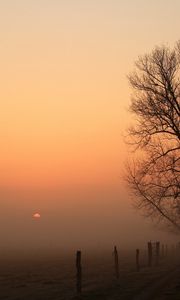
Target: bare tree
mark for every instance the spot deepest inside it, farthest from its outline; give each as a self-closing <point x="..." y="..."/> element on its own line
<point x="155" y="175"/>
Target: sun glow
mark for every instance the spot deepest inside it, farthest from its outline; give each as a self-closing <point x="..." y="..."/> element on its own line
<point x="36" y="215"/>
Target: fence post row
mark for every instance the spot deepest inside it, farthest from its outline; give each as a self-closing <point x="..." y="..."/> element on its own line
<point x="151" y="246"/>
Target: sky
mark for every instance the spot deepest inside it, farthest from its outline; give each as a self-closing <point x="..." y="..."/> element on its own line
<point x="64" y="101"/>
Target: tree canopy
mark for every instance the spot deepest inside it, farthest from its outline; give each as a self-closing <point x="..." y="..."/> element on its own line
<point x="154" y="178"/>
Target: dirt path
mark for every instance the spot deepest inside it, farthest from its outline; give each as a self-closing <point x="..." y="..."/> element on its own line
<point x="157" y="283"/>
<point x="165" y="287"/>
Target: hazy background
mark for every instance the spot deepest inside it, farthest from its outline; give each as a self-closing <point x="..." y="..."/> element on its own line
<point x="64" y="100"/>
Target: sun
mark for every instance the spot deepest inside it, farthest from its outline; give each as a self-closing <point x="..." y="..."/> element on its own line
<point x="36" y="215"/>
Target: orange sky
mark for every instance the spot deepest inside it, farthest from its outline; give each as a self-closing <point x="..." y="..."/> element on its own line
<point x="64" y="92"/>
<point x="64" y="95"/>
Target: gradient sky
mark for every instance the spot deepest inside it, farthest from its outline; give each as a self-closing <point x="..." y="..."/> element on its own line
<point x="64" y="109"/>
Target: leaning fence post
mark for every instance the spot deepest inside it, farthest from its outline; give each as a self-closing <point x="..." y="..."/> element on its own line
<point x="157" y="252"/>
<point x="149" y="254"/>
<point x="116" y="262"/>
<point x="78" y="272"/>
<point x="137" y="260"/>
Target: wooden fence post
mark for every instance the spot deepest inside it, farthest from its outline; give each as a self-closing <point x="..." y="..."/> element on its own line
<point x="162" y="251"/>
<point x="137" y="260"/>
<point x="166" y="250"/>
<point x="157" y="252"/>
<point x="149" y="254"/>
<point x="78" y="272"/>
<point x="116" y="262"/>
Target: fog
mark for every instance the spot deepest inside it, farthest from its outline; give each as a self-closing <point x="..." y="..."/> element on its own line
<point x="91" y="218"/>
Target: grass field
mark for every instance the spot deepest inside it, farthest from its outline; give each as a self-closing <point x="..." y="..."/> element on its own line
<point x="54" y="278"/>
